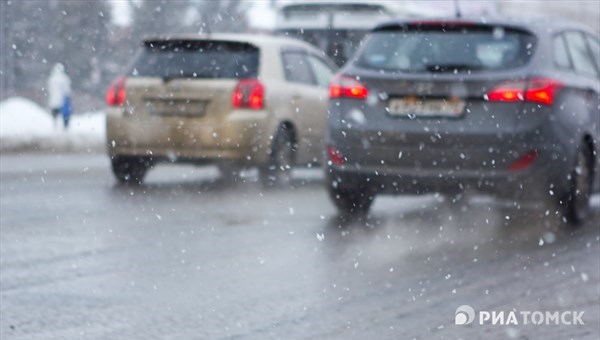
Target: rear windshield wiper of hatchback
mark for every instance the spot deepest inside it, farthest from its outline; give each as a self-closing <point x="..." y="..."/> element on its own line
<point x="452" y="67"/>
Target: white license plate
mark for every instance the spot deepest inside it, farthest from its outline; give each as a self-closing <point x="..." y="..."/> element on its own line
<point x="426" y="108"/>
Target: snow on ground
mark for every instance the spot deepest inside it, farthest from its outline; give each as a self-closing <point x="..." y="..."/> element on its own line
<point x="25" y="126"/>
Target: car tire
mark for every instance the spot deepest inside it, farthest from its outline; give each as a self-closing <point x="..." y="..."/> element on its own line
<point x="130" y="170"/>
<point x="351" y="201"/>
<point x="577" y="201"/>
<point x="456" y="197"/>
<point x="278" y="171"/>
<point x="230" y="172"/>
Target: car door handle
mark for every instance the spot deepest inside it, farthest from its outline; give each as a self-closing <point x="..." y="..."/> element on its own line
<point x="296" y="97"/>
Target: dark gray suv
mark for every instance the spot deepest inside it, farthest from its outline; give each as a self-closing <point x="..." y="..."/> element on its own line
<point x="503" y="107"/>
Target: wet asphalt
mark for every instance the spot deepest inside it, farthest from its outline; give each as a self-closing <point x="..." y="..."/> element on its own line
<point x="188" y="256"/>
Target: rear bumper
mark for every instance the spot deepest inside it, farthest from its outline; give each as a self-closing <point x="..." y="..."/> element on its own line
<point x="528" y="184"/>
<point x="423" y="156"/>
<point x="240" y="137"/>
<point x="547" y="176"/>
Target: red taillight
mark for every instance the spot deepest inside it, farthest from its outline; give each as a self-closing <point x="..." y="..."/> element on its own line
<point x="347" y="87"/>
<point x="249" y="93"/>
<point x="116" y="94"/>
<point x="539" y="90"/>
<point x="542" y="90"/>
<point x="524" y="161"/>
<point x="335" y="156"/>
<point x="508" y="92"/>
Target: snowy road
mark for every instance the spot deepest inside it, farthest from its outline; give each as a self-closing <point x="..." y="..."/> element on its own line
<point x="189" y="257"/>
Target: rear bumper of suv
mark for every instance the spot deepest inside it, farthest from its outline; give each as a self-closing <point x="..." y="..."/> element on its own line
<point x="528" y="184"/>
<point x="240" y="138"/>
<point x="546" y="176"/>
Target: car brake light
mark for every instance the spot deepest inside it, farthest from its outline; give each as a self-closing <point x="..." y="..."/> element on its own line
<point x="249" y="93"/>
<point x="507" y="92"/>
<point x="115" y="95"/>
<point x="335" y="156"/>
<point x="542" y="90"/>
<point x="347" y="87"/>
<point x="539" y="90"/>
<point x="524" y="161"/>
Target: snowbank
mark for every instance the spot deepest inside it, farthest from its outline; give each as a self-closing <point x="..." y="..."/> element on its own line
<point x="25" y="126"/>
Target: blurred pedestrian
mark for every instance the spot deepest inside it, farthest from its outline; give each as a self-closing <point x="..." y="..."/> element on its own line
<point x="59" y="94"/>
<point x="66" y="110"/>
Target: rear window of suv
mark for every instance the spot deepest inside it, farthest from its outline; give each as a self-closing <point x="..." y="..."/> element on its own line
<point x="446" y="48"/>
<point x="196" y="59"/>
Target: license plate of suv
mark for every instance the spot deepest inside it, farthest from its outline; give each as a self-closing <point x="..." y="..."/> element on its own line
<point x="425" y="108"/>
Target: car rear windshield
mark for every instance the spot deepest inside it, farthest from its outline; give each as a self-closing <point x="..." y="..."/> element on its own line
<point x="446" y="49"/>
<point x="196" y="59"/>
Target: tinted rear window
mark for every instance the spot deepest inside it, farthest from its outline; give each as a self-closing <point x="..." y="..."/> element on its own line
<point x="447" y="49"/>
<point x="196" y="59"/>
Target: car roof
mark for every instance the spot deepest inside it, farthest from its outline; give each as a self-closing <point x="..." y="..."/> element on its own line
<point x="259" y="40"/>
<point x="537" y="25"/>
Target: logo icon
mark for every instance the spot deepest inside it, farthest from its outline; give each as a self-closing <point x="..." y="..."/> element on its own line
<point x="464" y="315"/>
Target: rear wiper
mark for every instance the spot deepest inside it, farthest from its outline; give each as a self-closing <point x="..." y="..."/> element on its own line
<point x="452" y="67"/>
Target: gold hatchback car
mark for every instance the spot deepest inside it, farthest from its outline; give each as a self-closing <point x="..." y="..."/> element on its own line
<point x="235" y="101"/>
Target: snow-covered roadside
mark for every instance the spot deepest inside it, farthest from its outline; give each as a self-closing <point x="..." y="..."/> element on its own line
<point x="25" y="126"/>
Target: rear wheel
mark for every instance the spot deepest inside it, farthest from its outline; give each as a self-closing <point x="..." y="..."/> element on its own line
<point x="456" y="196"/>
<point x="351" y="201"/>
<point x="283" y="151"/>
<point x="130" y="170"/>
<point x="230" y="172"/>
<point x="578" y="199"/>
